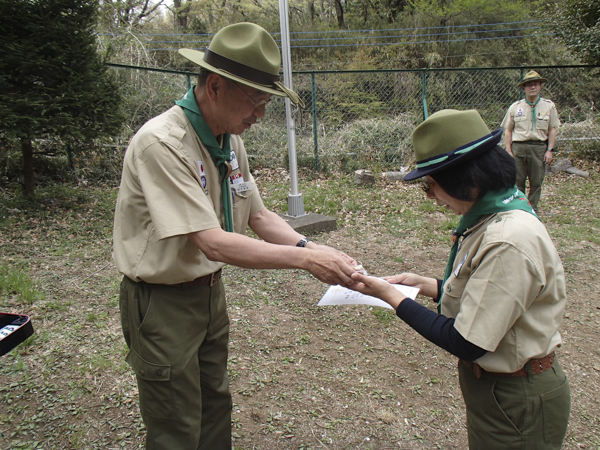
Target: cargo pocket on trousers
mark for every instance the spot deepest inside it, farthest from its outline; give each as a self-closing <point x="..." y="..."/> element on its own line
<point x="154" y="383"/>
<point x="556" y="406"/>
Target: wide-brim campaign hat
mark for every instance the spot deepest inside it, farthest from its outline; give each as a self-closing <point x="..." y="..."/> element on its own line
<point x="532" y="75"/>
<point x="450" y="137"/>
<point x="245" y="53"/>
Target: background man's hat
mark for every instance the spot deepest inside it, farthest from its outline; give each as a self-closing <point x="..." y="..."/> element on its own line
<point x="245" y="53"/>
<point x="450" y="137"/>
<point x="532" y="76"/>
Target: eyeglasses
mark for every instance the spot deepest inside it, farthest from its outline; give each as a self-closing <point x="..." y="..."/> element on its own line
<point x="256" y="103"/>
<point x="426" y="185"/>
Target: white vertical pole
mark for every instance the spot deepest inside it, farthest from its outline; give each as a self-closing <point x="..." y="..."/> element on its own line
<point x="295" y="202"/>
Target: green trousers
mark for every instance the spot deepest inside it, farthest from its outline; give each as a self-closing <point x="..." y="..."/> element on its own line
<point x="177" y="338"/>
<point x="516" y="413"/>
<point x="529" y="158"/>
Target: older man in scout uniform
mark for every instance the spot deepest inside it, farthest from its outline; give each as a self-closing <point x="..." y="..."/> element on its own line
<point x="530" y="133"/>
<point x="185" y="201"/>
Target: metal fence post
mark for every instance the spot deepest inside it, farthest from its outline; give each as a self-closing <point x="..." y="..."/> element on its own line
<point x="520" y="79"/>
<point x="424" y="93"/>
<point x="314" y="114"/>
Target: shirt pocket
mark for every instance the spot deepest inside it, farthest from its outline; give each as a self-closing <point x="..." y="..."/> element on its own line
<point x="241" y="203"/>
<point x="542" y="123"/>
<point x="521" y="123"/>
<point x="453" y="292"/>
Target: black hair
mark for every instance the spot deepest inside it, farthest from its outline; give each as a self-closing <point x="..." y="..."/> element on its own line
<point x="491" y="171"/>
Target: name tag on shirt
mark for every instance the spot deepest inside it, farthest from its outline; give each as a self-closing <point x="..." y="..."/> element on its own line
<point x="242" y="186"/>
<point x="457" y="271"/>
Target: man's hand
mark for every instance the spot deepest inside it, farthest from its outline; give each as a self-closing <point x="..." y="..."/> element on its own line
<point x="548" y="157"/>
<point x="331" y="266"/>
<point x="314" y="246"/>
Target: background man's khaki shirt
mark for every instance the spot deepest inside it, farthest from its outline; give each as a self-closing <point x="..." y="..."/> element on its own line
<point x="507" y="290"/>
<point x="170" y="187"/>
<point x="518" y="119"/>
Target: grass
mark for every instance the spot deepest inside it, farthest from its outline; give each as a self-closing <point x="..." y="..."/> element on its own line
<point x="302" y="376"/>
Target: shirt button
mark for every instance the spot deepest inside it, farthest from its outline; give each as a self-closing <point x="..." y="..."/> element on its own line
<point x="159" y="373"/>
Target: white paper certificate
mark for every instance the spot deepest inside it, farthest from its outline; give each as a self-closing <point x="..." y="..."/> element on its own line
<point x="338" y="295"/>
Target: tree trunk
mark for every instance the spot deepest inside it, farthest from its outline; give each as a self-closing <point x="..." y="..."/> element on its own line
<point x="180" y="14"/>
<point x="27" y="151"/>
<point x="311" y="12"/>
<point x="339" y="11"/>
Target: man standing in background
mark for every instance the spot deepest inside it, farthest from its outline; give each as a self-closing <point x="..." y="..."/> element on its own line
<point x="530" y="133"/>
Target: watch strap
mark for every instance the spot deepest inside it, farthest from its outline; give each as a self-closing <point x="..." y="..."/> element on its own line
<point x="302" y="242"/>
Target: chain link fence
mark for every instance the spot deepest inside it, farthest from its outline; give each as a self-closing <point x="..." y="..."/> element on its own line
<point x="365" y="119"/>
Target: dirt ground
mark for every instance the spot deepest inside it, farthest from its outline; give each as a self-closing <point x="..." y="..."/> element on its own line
<point x="302" y="376"/>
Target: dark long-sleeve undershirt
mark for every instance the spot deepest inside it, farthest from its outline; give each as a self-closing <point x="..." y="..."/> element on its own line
<point x="438" y="329"/>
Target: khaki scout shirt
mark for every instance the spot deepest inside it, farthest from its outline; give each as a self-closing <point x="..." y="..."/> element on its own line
<point x="518" y="119"/>
<point x="169" y="188"/>
<point x="507" y="290"/>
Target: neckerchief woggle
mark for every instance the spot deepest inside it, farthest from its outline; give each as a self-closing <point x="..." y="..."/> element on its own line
<point x="492" y="202"/>
<point x="221" y="156"/>
<point x="533" y="113"/>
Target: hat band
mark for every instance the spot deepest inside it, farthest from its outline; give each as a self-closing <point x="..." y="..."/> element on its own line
<point x="452" y="154"/>
<point x="239" y="69"/>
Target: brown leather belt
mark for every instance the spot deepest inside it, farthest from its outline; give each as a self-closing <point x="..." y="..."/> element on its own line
<point x="531" y="142"/>
<point x="537" y="366"/>
<point x="206" y="280"/>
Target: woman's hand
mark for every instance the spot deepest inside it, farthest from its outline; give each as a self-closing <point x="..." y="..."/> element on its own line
<point x="377" y="287"/>
<point x="428" y="286"/>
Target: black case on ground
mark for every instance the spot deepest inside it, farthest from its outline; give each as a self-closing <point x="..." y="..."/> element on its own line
<point x="14" y="329"/>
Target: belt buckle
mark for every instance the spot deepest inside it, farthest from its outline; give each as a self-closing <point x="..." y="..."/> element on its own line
<point x="213" y="278"/>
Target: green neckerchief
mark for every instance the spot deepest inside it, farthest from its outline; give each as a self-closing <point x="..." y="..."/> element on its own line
<point x="533" y="113"/>
<point x="492" y="202"/>
<point x="221" y="156"/>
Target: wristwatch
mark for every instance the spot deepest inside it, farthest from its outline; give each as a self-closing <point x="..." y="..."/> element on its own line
<point x="550" y="150"/>
<point x="302" y="242"/>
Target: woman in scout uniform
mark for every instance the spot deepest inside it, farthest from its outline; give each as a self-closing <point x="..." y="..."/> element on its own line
<point x="503" y="295"/>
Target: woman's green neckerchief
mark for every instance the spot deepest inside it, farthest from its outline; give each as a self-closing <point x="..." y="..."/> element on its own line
<point x="533" y="113"/>
<point x="491" y="203"/>
<point x="221" y="156"/>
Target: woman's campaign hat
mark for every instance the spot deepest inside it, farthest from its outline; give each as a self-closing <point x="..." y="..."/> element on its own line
<point x="245" y="53"/>
<point x="449" y="137"/>
<point x="532" y="76"/>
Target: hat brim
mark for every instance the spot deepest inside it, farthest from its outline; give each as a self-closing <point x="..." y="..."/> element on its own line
<point x="454" y="158"/>
<point x="524" y="82"/>
<point x="197" y="57"/>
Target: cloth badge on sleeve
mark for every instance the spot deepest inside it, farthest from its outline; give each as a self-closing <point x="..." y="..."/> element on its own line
<point x="202" y="177"/>
<point x="234" y="162"/>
